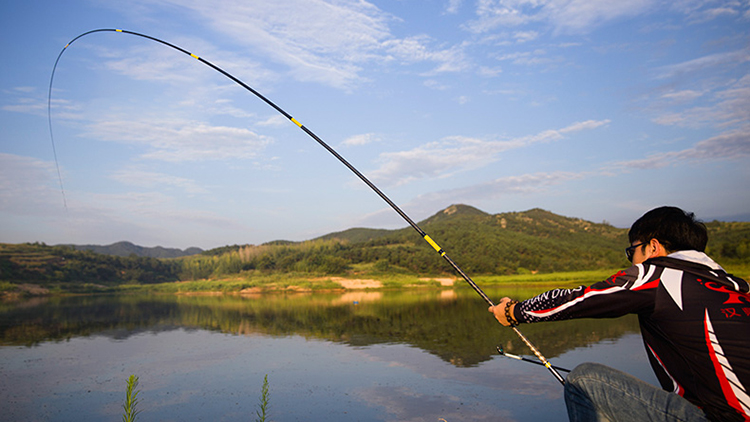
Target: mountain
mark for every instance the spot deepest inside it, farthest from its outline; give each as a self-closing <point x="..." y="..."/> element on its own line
<point x="507" y="243"/>
<point x="127" y="249"/>
<point x="357" y="235"/>
<point x="535" y="240"/>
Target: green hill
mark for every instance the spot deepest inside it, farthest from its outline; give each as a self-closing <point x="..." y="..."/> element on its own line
<point x="533" y="241"/>
<point x="507" y="243"/>
<point x="68" y="269"/>
<point x="357" y="235"/>
<point x="127" y="249"/>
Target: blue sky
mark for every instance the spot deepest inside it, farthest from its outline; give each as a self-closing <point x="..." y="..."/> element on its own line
<point x="588" y="108"/>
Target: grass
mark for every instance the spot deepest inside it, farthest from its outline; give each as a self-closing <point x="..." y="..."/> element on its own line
<point x="131" y="400"/>
<point x="270" y="282"/>
<point x="263" y="406"/>
<point x="573" y="277"/>
<point x="741" y="269"/>
<point x="237" y="283"/>
<point x="278" y="282"/>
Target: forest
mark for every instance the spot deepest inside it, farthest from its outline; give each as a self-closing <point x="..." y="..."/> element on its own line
<point x="528" y="242"/>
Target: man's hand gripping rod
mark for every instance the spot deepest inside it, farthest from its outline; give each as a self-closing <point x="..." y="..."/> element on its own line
<point x="476" y="288"/>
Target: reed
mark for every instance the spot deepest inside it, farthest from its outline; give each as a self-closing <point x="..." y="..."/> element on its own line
<point x="264" y="404"/>
<point x="131" y="400"/>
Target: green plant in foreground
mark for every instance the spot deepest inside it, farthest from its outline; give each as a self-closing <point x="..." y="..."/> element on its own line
<point x="262" y="411"/>
<point x="131" y="400"/>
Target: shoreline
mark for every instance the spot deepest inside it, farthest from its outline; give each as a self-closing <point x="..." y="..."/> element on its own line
<point x="252" y="284"/>
<point x="234" y="286"/>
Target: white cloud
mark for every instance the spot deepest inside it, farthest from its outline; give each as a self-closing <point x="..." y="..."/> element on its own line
<point x="727" y="146"/>
<point x="453" y="6"/>
<point x="569" y="16"/>
<point x="181" y="140"/>
<point x="682" y="96"/>
<point x="501" y="188"/>
<point x="151" y="62"/>
<point x="28" y="186"/>
<point x="729" y="58"/>
<point x="299" y="35"/>
<point x="362" y="139"/>
<point x="490" y="72"/>
<point x="698" y="11"/>
<point x="529" y="58"/>
<point x="433" y="84"/>
<point x="416" y="49"/>
<point x="32" y="101"/>
<point x="513" y="185"/>
<point x="525" y="36"/>
<point x="196" y="84"/>
<point x="150" y="179"/>
<point x="150" y="218"/>
<point x="581" y="16"/>
<point x="587" y="125"/>
<point x="724" y="106"/>
<point x="328" y="42"/>
<point x="459" y="153"/>
<point x="274" y="121"/>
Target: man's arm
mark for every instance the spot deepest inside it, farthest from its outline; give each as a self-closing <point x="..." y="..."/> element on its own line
<point x="618" y="295"/>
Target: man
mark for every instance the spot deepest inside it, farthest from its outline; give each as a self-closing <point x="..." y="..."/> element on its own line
<point x="694" y="319"/>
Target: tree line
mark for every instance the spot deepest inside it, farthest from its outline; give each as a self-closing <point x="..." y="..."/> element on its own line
<point x="534" y="241"/>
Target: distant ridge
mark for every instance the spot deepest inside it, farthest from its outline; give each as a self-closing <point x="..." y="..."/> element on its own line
<point x="126" y="249"/>
<point x="360" y="235"/>
<point x="535" y="222"/>
<point x="730" y="218"/>
<point x="519" y="242"/>
<point x="357" y="234"/>
<point x="537" y="239"/>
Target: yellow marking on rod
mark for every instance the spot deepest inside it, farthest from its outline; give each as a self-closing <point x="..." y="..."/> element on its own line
<point x="118" y="30"/>
<point x="434" y="245"/>
<point x="548" y="365"/>
<point x="296" y="122"/>
<point x="194" y="56"/>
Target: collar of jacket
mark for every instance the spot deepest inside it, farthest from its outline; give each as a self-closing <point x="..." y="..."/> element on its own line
<point x="699" y="264"/>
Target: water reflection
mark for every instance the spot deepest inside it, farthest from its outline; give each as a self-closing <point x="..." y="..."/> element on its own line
<point x="365" y="355"/>
<point x="451" y="324"/>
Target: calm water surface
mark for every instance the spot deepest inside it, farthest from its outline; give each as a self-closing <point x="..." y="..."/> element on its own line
<point x="361" y="356"/>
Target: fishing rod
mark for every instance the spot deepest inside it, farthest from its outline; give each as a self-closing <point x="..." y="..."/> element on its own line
<point x="535" y="362"/>
<point x="333" y="152"/>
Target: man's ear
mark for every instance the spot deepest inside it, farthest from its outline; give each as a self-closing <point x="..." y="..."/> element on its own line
<point x="657" y="249"/>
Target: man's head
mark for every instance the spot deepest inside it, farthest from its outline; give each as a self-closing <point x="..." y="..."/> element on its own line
<point x="674" y="229"/>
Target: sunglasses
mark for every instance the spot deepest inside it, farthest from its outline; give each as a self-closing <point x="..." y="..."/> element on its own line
<point x="631" y="249"/>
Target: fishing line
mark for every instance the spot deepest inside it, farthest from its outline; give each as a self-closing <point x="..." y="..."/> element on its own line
<point x="333" y="152"/>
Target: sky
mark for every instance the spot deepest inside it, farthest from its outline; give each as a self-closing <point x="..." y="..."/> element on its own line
<point x="590" y="109"/>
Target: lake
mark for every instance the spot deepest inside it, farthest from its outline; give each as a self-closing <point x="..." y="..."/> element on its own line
<point x="425" y="355"/>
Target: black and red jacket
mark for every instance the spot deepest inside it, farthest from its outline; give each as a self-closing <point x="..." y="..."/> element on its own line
<point x="695" y="323"/>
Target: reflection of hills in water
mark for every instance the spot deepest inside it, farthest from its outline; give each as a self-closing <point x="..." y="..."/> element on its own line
<point x="454" y="326"/>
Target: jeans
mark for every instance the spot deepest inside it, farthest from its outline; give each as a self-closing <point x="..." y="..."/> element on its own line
<point x="595" y="392"/>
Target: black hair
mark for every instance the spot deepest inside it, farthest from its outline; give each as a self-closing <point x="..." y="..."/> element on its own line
<point x="674" y="228"/>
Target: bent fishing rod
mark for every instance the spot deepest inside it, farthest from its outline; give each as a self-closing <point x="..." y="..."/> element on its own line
<point x="333" y="152"/>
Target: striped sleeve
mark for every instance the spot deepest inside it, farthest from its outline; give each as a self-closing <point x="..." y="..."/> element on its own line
<point x="627" y="291"/>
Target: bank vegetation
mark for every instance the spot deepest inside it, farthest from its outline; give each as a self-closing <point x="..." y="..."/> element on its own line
<point x="534" y="246"/>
